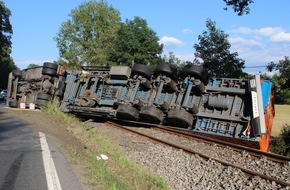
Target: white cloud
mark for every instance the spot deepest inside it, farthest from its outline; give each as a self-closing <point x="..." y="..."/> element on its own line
<point x="170" y="42"/>
<point x="247" y="42"/>
<point x="281" y="37"/>
<point x="186" y="31"/>
<point x="260" y="46"/>
<point x="256" y="52"/>
<point x="274" y="34"/>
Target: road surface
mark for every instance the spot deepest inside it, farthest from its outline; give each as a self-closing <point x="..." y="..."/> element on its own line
<point x="29" y="159"/>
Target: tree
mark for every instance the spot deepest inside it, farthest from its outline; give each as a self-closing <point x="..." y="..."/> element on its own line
<point x="32" y="65"/>
<point x="175" y="63"/>
<point x="281" y="81"/>
<point x="214" y="51"/>
<point x="239" y="6"/>
<point x="6" y="62"/>
<point x="283" y="68"/>
<point x="136" y="43"/>
<point x="87" y="36"/>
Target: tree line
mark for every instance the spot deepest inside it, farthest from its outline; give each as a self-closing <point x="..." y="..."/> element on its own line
<point x="6" y="62"/>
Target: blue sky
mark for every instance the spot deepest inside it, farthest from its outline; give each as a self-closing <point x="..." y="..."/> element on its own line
<point x="260" y="37"/>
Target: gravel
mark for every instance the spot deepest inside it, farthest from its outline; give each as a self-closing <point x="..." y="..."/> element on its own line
<point x="184" y="171"/>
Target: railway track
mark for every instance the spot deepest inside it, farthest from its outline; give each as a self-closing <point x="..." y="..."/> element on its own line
<point x="268" y="166"/>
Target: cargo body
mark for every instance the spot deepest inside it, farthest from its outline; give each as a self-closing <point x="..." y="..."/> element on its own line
<point x="229" y="109"/>
<point x="35" y="86"/>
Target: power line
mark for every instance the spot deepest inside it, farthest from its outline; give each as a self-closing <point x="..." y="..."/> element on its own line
<point x="255" y="66"/>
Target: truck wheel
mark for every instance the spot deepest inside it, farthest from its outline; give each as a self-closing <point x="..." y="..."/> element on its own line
<point x="151" y="114"/>
<point x="127" y="112"/>
<point x="180" y="118"/>
<point x="43" y="96"/>
<point x="50" y="65"/>
<point x="164" y="69"/>
<point x="41" y="102"/>
<point x="195" y="71"/>
<point x="17" y="73"/>
<point x="13" y="104"/>
<point x="142" y="70"/>
<point x="48" y="71"/>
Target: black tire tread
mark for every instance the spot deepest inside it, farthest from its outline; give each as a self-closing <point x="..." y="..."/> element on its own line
<point x="195" y="71"/>
<point x="151" y="114"/>
<point x="179" y="118"/>
<point x="43" y="96"/>
<point x="17" y="73"/>
<point x="49" y="71"/>
<point x="50" y="65"/>
<point x="127" y="112"/>
<point x="164" y="69"/>
<point x="142" y="70"/>
<point x="13" y="104"/>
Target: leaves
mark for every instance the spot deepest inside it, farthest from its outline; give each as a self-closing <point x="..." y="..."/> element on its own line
<point x="136" y="43"/>
<point x="239" y="6"/>
<point x="214" y="51"/>
<point x="85" y="38"/>
<point x="281" y="81"/>
<point x="6" y="62"/>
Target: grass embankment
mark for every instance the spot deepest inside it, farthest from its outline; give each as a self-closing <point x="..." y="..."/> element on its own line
<point x="115" y="173"/>
<point x="282" y="117"/>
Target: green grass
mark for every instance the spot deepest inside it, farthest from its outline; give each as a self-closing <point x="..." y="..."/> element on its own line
<point x="117" y="172"/>
<point x="119" y="169"/>
<point x="282" y="117"/>
<point x="53" y="109"/>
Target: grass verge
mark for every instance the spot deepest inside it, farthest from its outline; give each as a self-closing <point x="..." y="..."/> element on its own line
<point x="115" y="173"/>
<point x="282" y="113"/>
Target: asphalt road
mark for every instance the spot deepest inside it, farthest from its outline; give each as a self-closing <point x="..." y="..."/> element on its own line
<point x="25" y="163"/>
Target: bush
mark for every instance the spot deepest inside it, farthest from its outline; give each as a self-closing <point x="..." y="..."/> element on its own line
<point x="282" y="96"/>
<point x="281" y="144"/>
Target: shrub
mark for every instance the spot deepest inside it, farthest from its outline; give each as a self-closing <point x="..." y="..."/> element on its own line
<point x="281" y="144"/>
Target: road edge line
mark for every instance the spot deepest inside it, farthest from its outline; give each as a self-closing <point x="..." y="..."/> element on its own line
<point x="52" y="179"/>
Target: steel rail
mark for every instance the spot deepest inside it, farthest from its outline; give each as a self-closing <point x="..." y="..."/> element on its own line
<point x="252" y="151"/>
<point x="191" y="134"/>
<point x="283" y="183"/>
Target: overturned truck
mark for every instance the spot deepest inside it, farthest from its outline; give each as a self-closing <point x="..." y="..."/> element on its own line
<point x="228" y="109"/>
<point x="35" y="86"/>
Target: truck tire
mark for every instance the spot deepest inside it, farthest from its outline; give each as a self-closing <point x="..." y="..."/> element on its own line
<point x="48" y="71"/>
<point x="50" y="65"/>
<point x="127" y="112"/>
<point x="151" y="114"/>
<point x="180" y="118"/>
<point x="142" y="70"/>
<point x="13" y="104"/>
<point x="17" y="73"/>
<point x="43" y="96"/>
<point x="41" y="102"/>
<point x="164" y="69"/>
<point x="195" y="71"/>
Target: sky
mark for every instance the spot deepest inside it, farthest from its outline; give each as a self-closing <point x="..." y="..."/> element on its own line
<point x="259" y="37"/>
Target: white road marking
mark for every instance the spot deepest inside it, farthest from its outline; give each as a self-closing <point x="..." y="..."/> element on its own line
<point x="49" y="167"/>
